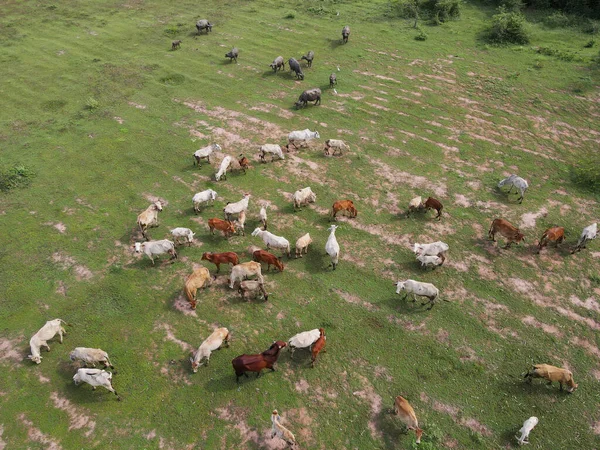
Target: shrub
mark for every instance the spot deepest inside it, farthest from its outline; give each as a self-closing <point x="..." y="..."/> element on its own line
<point x="557" y="20"/>
<point x="591" y="27"/>
<point x="512" y="5"/>
<point x="443" y="10"/>
<point x="91" y="104"/>
<point x="586" y="173"/>
<point x="508" y="28"/>
<point x="291" y="14"/>
<point x="17" y="176"/>
<point x="422" y="36"/>
<point x="590" y="43"/>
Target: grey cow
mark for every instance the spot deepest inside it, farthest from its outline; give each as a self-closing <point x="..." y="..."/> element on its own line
<point x="345" y="34"/>
<point x="233" y="54"/>
<point x="308" y="96"/>
<point x="295" y="67"/>
<point x="203" y="24"/>
<point x="309" y="58"/>
<point x="277" y="64"/>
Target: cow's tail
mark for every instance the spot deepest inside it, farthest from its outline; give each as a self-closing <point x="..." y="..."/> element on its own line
<point x="67" y="324"/>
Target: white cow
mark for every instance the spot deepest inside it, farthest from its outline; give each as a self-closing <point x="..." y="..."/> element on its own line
<point x="303" y="197"/>
<point x="263" y="216"/>
<point x="303" y="340"/>
<point x="207" y="196"/>
<point x="95" y="377"/>
<point x="332" y="247"/>
<point x="182" y="233"/>
<point x="218" y="338"/>
<point x="528" y="425"/>
<point x="335" y="144"/>
<point x="517" y="182"/>
<point x="418" y="288"/>
<point x="91" y="356"/>
<point x="149" y="217"/>
<point x="272" y="149"/>
<point x="272" y="240"/>
<point x="416" y="204"/>
<point x="44" y="334"/>
<point x="587" y="234"/>
<point x="205" y="152"/>
<point x="223" y="168"/>
<point x="240" y="272"/>
<point x="280" y="431"/>
<point x="431" y="261"/>
<point x="237" y="207"/>
<point x="301" y="137"/>
<point x="433" y="249"/>
<point x="155" y="248"/>
<point x="302" y="245"/>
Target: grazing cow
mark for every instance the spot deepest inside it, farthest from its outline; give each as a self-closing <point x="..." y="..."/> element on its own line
<point x="149" y="218"/>
<point x="240" y="223"/>
<point x="272" y="240"/>
<point x="332" y="247"/>
<point x="528" y="425"/>
<point x="343" y="205"/>
<point x="336" y="144"/>
<point x="219" y="338"/>
<point x="233" y="54"/>
<point x="309" y="58"/>
<point x="203" y="24"/>
<point x="225" y="164"/>
<point x="198" y="279"/>
<point x="242" y="271"/>
<point x="303" y="340"/>
<point x="300" y="138"/>
<point x="277" y="429"/>
<point x="345" y="34"/>
<point x="278" y="64"/>
<point x="182" y="233"/>
<point x="431" y="261"/>
<point x="515" y="182"/>
<point x="156" y="248"/>
<point x="91" y="356"/>
<point x="302" y="245"/>
<point x="295" y="67"/>
<point x="244" y="163"/>
<point x="587" y="234"/>
<point x="221" y="258"/>
<point x="204" y="197"/>
<point x="237" y="207"/>
<point x="407" y="415"/>
<point x="176" y="44"/>
<point x="433" y="249"/>
<point x="40" y="339"/>
<point x="303" y="197"/>
<point x="317" y="347"/>
<point x="332" y="80"/>
<point x="256" y="363"/>
<point x="309" y="95"/>
<point x="261" y="256"/>
<point x="204" y="153"/>
<point x="432" y="203"/>
<point x="418" y="288"/>
<point x="554" y="234"/>
<point x="95" y="377"/>
<point x="222" y="225"/>
<point x="416" y="204"/>
<point x="506" y="229"/>
<point x="263" y="216"/>
<point x="249" y="288"/>
<point x="552" y="373"/>
<point x="273" y="150"/>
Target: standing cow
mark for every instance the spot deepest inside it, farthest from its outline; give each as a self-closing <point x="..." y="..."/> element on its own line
<point x="310" y="95"/>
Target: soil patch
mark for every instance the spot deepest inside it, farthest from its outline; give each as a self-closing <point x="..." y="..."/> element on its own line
<point x="369" y="395"/>
<point x="9" y="349"/>
<point x="355" y="300"/>
<point x="77" y="419"/>
<point x="35" y="434"/>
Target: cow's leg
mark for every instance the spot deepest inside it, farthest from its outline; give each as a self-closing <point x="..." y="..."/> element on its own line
<point x="561" y="385"/>
<point x="218" y="267"/>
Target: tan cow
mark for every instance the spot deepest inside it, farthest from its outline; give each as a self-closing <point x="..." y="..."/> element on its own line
<point x="406" y="413"/>
<point x="506" y="229"/>
<point x="552" y="373"/>
<point x="198" y="279"/>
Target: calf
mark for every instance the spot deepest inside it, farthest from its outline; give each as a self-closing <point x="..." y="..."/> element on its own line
<point x="156" y="248"/>
<point x="317" y="347"/>
<point x="587" y="234"/>
<point x="242" y="271"/>
<point x="182" y="233"/>
<point x="345" y="34"/>
<point x="506" y="229"/>
<point x="91" y="356"/>
<point x="221" y="258"/>
<point x="250" y="288"/>
<point x="149" y="217"/>
<point x="40" y="339"/>
<point x="432" y="203"/>
<point x="343" y="205"/>
<point x="336" y="144"/>
<point x="407" y="415"/>
<point x="302" y="245"/>
<point x="244" y="163"/>
<point x="332" y="80"/>
<point x="222" y="225"/>
<point x="198" y="279"/>
<point x="554" y="234"/>
<point x="295" y="67"/>
<point x="261" y="256"/>
<point x="431" y="261"/>
<point x="277" y="64"/>
<point x="552" y="373"/>
<point x="175" y="45"/>
<point x="95" y="377"/>
<point x="309" y="58"/>
<point x="233" y="54"/>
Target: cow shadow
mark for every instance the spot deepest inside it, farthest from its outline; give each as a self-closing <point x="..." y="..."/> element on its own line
<point x="334" y="43"/>
<point x="404" y="307"/>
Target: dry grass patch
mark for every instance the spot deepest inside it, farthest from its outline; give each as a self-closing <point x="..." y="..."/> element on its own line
<point x="35" y="435"/>
<point x="9" y="349"/>
<point x="533" y="322"/>
<point x="77" y="418"/>
<point x="374" y="400"/>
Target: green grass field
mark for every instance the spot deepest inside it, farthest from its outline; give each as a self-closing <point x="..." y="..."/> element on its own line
<point x="96" y="104"/>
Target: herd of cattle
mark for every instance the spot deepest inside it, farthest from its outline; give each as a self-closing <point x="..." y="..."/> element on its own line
<point x="428" y="254"/>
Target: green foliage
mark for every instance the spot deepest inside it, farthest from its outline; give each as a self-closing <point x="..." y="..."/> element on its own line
<point x="173" y="79"/>
<point x="15" y="177"/>
<point x="443" y="10"/>
<point x="512" y="5"/>
<point x="563" y="55"/>
<point x="586" y="172"/>
<point x="291" y="14"/>
<point x="508" y="28"/>
<point x="91" y="104"/>
<point x="421" y="36"/>
<point x="557" y="19"/>
<point x="591" y="26"/>
<point x="590" y="43"/>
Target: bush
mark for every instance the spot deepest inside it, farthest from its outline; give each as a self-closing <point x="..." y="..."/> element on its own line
<point x="291" y="14"/>
<point x="557" y="20"/>
<point x="591" y="27"/>
<point x="586" y="173"/>
<point x="508" y="28"/>
<point x="444" y="10"/>
<point x="17" y="176"/>
<point x="513" y="5"/>
<point x="422" y="36"/>
<point x="91" y="104"/>
<point x="590" y="43"/>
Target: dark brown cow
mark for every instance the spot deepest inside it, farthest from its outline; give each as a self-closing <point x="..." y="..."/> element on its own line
<point x="222" y="225"/>
<point x="343" y="205"/>
<point x="506" y="229"/>
<point x="256" y="363"/>
<point x="432" y="203"/>
<point x="317" y="347"/>
<point x="554" y="234"/>
<point x="221" y="258"/>
<point x="269" y="258"/>
<point x="244" y="163"/>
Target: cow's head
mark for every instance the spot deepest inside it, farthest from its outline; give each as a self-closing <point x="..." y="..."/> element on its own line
<point x="205" y="256"/>
<point x="419" y="432"/>
<point x="281" y="344"/>
<point x="138" y="247"/>
<point x="332" y="228"/>
<point x="158" y="206"/>
<point x="36" y="359"/>
<point x="519" y="237"/>
<point x="256" y="232"/>
<point x="77" y="378"/>
<point x="195" y="365"/>
<point x="399" y="286"/>
<point x="317" y="135"/>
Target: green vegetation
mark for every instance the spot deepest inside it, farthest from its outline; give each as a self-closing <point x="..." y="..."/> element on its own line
<point x="96" y="104"/>
<point x="508" y="27"/>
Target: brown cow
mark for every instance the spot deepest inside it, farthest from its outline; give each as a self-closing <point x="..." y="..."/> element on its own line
<point x="221" y="258"/>
<point x="244" y="163"/>
<point x="554" y="234"/>
<point x="269" y="258"/>
<point x="222" y="225"/>
<point x="317" y="347"/>
<point x="256" y="363"/>
<point x="343" y="205"/>
<point x="198" y="279"/>
<point x="407" y="415"/>
<point x="432" y="203"/>
<point x="506" y="229"/>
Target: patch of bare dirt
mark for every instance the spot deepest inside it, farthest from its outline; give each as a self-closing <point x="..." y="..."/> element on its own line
<point x="453" y="412"/>
<point x="369" y="395"/>
<point x="586" y="345"/>
<point x="355" y="300"/>
<point x="77" y="418"/>
<point x="237" y="417"/>
<point x="182" y="305"/>
<point x="137" y="105"/>
<point x="35" y="434"/>
<point x="443" y="336"/>
<point x="533" y="322"/>
<point x="61" y="289"/>
<point x="2" y="442"/>
<point x="409" y="324"/>
<point x="43" y="379"/>
<point x="590" y="304"/>
<point x="528" y="219"/>
<point x="596" y="428"/>
<point x="302" y="386"/>
<point x="301" y="421"/>
<point x="170" y="336"/>
<point x="9" y="349"/>
<point x="461" y="200"/>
